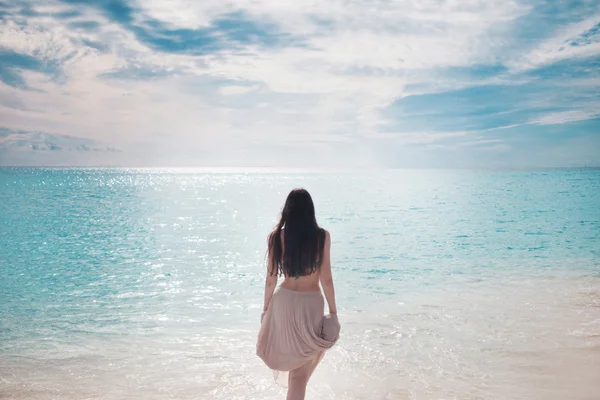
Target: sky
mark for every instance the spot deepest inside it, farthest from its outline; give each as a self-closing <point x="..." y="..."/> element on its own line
<point x="300" y="83"/>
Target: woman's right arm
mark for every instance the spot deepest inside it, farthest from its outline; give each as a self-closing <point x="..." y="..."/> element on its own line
<point x="271" y="279"/>
<point x="326" y="277"/>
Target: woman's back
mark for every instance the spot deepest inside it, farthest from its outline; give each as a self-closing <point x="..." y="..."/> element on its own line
<point x="306" y="283"/>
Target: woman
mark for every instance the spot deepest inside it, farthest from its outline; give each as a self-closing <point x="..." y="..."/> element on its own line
<point x="294" y="333"/>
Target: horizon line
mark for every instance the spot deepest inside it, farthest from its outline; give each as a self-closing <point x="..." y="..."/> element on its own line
<point x="297" y="169"/>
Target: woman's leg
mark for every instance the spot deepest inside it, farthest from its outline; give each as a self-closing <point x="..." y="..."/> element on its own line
<point x="315" y="361"/>
<point x="298" y="378"/>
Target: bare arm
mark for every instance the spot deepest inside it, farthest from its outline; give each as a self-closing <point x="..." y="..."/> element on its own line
<point x="326" y="277"/>
<point x="270" y="282"/>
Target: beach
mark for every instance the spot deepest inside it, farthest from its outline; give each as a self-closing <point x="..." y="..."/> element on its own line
<point x="147" y="283"/>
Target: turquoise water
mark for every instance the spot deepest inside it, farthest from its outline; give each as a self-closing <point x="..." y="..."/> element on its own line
<point x="135" y="283"/>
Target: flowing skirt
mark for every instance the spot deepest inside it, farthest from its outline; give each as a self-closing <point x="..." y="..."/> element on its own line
<point x="294" y="330"/>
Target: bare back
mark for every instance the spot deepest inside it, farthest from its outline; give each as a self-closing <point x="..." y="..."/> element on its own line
<point x="310" y="283"/>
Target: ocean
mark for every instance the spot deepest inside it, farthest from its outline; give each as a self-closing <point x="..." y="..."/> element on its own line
<point x="148" y="283"/>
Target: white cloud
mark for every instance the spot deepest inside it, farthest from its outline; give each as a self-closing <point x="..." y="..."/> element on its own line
<point x="560" y="46"/>
<point x="235" y="90"/>
<point x="417" y="137"/>
<point x="28" y="148"/>
<point x="564" y="117"/>
<point x="356" y="57"/>
<point x="44" y="39"/>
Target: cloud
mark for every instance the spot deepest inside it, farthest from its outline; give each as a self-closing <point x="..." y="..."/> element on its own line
<point x="579" y="39"/>
<point x="24" y="148"/>
<point x="136" y="72"/>
<point x="85" y="25"/>
<point x="42" y="141"/>
<point x="339" y="82"/>
<point x="225" y="31"/>
<point x="564" y="117"/>
<point x="11" y="63"/>
<point x="417" y="137"/>
<point x="235" y="90"/>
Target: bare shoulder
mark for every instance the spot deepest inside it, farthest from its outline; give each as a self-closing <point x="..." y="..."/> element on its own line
<point x="327" y="236"/>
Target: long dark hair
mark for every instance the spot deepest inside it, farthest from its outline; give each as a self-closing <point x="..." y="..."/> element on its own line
<point x="303" y="238"/>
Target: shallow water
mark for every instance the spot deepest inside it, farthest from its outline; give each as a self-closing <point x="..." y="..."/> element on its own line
<point x="147" y="284"/>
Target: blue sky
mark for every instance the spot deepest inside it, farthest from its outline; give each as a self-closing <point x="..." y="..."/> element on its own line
<point x="300" y="83"/>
